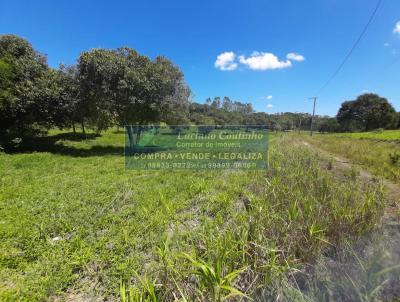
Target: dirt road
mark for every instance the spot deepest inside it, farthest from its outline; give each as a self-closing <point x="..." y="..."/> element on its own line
<point x="367" y="269"/>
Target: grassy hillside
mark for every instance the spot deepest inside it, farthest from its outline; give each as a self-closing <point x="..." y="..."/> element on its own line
<point x="74" y="222"/>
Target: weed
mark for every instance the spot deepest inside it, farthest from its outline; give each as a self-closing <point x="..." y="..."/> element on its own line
<point x="215" y="280"/>
<point x="394" y="158"/>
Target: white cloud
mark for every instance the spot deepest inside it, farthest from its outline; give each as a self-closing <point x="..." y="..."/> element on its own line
<point x="386" y="44"/>
<point x="269" y="97"/>
<point x="295" y="57"/>
<point x="396" y="29"/>
<point x="270" y="106"/>
<point x="264" y="61"/>
<point x="226" y="61"/>
<point x="256" y="61"/>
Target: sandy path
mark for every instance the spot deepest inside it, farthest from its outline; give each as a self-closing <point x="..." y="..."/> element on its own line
<point x="392" y="189"/>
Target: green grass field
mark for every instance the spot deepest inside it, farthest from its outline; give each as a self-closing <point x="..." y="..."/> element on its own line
<point x="387" y="135"/>
<point x="75" y="222"/>
<point x="378" y="152"/>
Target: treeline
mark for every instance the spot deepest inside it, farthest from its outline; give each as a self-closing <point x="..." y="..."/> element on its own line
<point x="368" y="112"/>
<point x="105" y="88"/>
<point x="108" y="87"/>
<point x="224" y="111"/>
<point x="117" y="87"/>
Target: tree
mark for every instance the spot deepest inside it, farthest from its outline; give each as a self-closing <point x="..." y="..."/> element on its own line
<point x="121" y="86"/>
<point x="227" y="104"/>
<point x="216" y="103"/>
<point x="328" y="125"/>
<point x="67" y="108"/>
<point x="174" y="95"/>
<point x="369" y="111"/>
<point x="98" y="76"/>
<point x="24" y="91"/>
<point x="6" y="95"/>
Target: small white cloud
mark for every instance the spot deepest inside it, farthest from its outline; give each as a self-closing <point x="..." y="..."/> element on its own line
<point x="269" y="97"/>
<point x="226" y="61"/>
<point x="396" y="29"/>
<point x="386" y="44"/>
<point x="270" y="106"/>
<point x="295" y="57"/>
<point x="264" y="61"/>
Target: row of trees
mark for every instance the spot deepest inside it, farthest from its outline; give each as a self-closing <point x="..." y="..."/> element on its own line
<point x="368" y="112"/>
<point x="105" y="87"/>
<point x="121" y="87"/>
<point x="228" y="112"/>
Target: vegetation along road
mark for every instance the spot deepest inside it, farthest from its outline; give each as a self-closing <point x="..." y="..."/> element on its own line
<point x="321" y="223"/>
<point x="67" y="233"/>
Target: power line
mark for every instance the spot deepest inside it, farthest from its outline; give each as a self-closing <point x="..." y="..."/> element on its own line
<point x="353" y="47"/>
<point x="382" y="69"/>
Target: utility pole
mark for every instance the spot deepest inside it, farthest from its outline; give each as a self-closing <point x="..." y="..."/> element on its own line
<point x="299" y="123"/>
<point x="299" y="128"/>
<point x="313" y="113"/>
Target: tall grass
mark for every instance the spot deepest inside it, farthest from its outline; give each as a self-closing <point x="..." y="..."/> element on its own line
<point x="279" y="221"/>
<point x="81" y="224"/>
<point x="380" y="157"/>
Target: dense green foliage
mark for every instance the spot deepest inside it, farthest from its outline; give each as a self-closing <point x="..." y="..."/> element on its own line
<point x="106" y="87"/>
<point x="24" y="79"/>
<point x="127" y="88"/>
<point x="369" y="111"/>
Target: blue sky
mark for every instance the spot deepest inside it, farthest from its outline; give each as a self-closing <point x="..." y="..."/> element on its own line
<point x="258" y="34"/>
